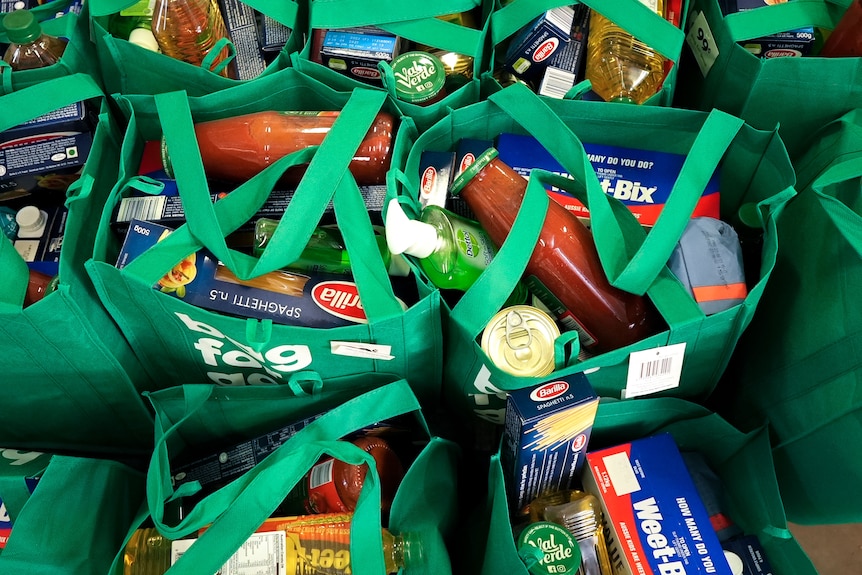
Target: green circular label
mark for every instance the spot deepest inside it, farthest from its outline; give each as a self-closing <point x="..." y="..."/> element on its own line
<point x="550" y="548"/>
<point x="419" y="76"/>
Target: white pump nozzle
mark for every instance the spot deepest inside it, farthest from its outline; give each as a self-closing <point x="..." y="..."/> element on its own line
<point x="406" y="236"/>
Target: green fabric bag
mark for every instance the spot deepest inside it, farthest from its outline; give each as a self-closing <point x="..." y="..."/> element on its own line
<point x="800" y="95"/>
<point x="19" y="470"/>
<point x="76" y="518"/>
<point x="754" y="168"/>
<point x="632" y="16"/>
<point x="800" y="375"/>
<point x="171" y="336"/>
<point x="130" y="69"/>
<point x="413" y="21"/>
<point x="69" y="377"/>
<point x="195" y="415"/>
<point x="741" y="460"/>
<point x="78" y="57"/>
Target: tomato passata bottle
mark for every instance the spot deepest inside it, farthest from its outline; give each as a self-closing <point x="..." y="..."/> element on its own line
<point x="239" y="147"/>
<point x="564" y="266"/>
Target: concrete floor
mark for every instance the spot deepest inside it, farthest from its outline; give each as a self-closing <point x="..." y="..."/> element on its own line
<point x="834" y="549"/>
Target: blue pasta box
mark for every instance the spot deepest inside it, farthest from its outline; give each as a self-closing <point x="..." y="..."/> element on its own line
<point x="656" y="519"/>
<point x="640" y="179"/>
<point x="789" y="43"/>
<point x="532" y="48"/>
<point x="547" y="429"/>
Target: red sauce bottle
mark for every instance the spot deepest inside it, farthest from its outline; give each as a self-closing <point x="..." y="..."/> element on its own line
<point x="564" y="261"/>
<point x="238" y="148"/>
<point x="846" y="38"/>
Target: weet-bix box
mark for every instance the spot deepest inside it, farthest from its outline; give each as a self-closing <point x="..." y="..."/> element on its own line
<point x="641" y="179"/>
<point x="657" y="521"/>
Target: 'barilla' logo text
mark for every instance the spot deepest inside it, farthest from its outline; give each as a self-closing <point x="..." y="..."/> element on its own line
<point x="544" y="51"/>
<point x="650" y="523"/>
<point x="429" y="178"/>
<point x="215" y="350"/>
<point x="364" y="72"/>
<point x="549" y="391"/>
<point x="468" y="159"/>
<point x="341" y="299"/>
<point x="628" y="190"/>
<point x="783" y="53"/>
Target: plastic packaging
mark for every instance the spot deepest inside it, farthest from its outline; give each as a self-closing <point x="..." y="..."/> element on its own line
<point x="188" y="29"/>
<point x="239" y="147"/>
<point x="846" y="39"/>
<point x="29" y="47"/>
<point x="564" y="263"/>
<point x="620" y="67"/>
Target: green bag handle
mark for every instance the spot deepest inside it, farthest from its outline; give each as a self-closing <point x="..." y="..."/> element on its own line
<point x="19" y="107"/>
<point x="347" y="13"/>
<point x="786" y="16"/>
<point x="636" y="273"/>
<point x="630" y="15"/>
<point x="284" y="11"/>
<point x="236" y="510"/>
<point x="208" y="224"/>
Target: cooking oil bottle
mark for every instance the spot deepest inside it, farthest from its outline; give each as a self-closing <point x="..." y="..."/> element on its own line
<point x="29" y="47"/>
<point x="188" y="29"/>
<point x="620" y="67"/>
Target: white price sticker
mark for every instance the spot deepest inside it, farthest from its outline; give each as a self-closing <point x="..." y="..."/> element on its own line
<point x="702" y="44"/>
<point x="654" y="370"/>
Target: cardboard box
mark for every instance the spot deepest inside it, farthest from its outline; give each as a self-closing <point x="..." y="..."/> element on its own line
<point x="436" y="171"/>
<point x="240" y="19"/>
<point x="792" y="43"/>
<point x="566" y="66"/>
<point x="355" y="52"/>
<point x="657" y="522"/>
<point x="532" y="48"/>
<point x="545" y="437"/>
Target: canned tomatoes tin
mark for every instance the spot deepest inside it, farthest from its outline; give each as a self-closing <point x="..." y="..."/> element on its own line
<point x="520" y="340"/>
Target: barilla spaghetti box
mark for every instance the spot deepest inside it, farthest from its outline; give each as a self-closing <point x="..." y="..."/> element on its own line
<point x="791" y="43"/>
<point x="310" y="299"/>
<point x="566" y="67"/>
<point x="24" y="466"/>
<point x="240" y="21"/>
<point x="356" y="51"/>
<point x="436" y="171"/>
<point x="641" y="179"/>
<point x="545" y="437"/>
<point x="657" y="522"/>
<point x="531" y="49"/>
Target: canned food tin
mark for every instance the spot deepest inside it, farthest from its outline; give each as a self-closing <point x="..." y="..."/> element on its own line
<point x="520" y="340"/>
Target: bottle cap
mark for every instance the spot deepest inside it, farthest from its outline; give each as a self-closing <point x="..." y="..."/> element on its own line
<point x="144" y="38"/>
<point x="549" y="548"/>
<point x="21" y="26"/>
<point x="737" y="567"/>
<point x="31" y="222"/>
<point x="483" y="160"/>
<point x="419" y="76"/>
<point x="406" y="236"/>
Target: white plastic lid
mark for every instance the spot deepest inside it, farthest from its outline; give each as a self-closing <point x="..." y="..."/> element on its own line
<point x="398" y="266"/>
<point x="144" y="38"/>
<point x="31" y="222"/>
<point x="406" y="236"/>
<point x="736" y="565"/>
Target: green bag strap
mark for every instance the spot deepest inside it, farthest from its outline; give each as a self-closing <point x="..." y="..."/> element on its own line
<point x="240" y="507"/>
<point x="843" y="217"/>
<point x="636" y="273"/>
<point x="284" y="11"/>
<point x="446" y="35"/>
<point x="785" y="16"/>
<point x="507" y="20"/>
<point x="16" y="275"/>
<point x="347" y="13"/>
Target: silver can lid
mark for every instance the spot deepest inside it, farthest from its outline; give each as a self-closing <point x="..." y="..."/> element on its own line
<point x="520" y="340"/>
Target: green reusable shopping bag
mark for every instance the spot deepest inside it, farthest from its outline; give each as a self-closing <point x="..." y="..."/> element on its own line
<point x="180" y="343"/>
<point x="632" y="16"/>
<point x="741" y="460"/>
<point x="754" y="168"/>
<point x="194" y="415"/>
<point x="69" y="378"/>
<point x="417" y="22"/>
<point x="130" y="69"/>
<point x="76" y="518"/>
<point x="78" y="57"/>
<point x="19" y="473"/>
<point x="800" y="95"/>
<point x="798" y="366"/>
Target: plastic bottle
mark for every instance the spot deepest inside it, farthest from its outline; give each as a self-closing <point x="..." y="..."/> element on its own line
<point x="188" y="29"/>
<point x="136" y="29"/>
<point x="846" y="39"/>
<point x="239" y="147"/>
<point x="326" y="251"/>
<point x="29" y="47"/>
<point x="620" y="67"/>
<point x="309" y="537"/>
<point x="565" y="264"/>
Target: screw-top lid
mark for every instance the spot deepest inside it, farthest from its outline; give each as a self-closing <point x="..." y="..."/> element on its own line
<point x="144" y="38"/>
<point x="737" y="567"/>
<point x="483" y="160"/>
<point x="419" y="76"/>
<point x="166" y="159"/>
<point x="547" y="547"/>
<point x="406" y="236"/>
<point x="31" y="222"/>
<point x="21" y="26"/>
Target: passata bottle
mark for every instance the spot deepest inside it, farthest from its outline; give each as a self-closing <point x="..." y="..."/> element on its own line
<point x="188" y="29"/>
<point x="564" y="265"/>
<point x="29" y="47"/>
<point x="240" y="147"/>
<point x="846" y="39"/>
<point x="620" y="67"/>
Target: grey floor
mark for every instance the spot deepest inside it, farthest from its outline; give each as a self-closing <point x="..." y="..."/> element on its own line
<point x="834" y="549"/>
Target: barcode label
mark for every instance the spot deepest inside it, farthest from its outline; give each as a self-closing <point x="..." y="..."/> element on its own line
<point x="148" y="208"/>
<point x="321" y="474"/>
<point x="556" y="82"/>
<point x="654" y="370"/>
<point x="562" y="18"/>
